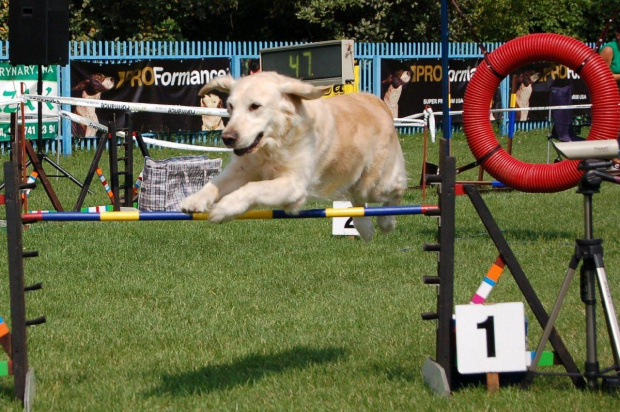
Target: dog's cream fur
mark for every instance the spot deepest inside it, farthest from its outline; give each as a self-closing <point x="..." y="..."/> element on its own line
<point x="291" y="145"/>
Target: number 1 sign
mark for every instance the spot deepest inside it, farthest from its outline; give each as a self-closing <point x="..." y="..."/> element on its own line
<point x="490" y="338"/>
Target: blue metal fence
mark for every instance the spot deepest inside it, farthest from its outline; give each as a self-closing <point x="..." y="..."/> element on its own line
<point x="369" y="56"/>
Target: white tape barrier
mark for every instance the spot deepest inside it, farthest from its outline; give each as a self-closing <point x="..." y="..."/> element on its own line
<point x="182" y="146"/>
<point x="11" y="102"/>
<point x="412" y="121"/>
<point x="408" y="121"/>
<point x="169" y="109"/>
<point x="429" y="117"/>
<point x="415" y="121"/>
<point x="132" y="107"/>
<point x="528" y="109"/>
<point x="155" y="142"/>
<point x="202" y="111"/>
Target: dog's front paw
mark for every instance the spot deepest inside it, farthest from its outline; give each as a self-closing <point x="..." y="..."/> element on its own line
<point x="226" y="210"/>
<point x="219" y="215"/>
<point x="200" y="201"/>
<point x="195" y="204"/>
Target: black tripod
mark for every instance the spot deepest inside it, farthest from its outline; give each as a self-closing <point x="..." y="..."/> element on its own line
<point x="589" y="251"/>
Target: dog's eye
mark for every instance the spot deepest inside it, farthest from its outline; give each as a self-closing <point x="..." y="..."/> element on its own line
<point x="254" y="106"/>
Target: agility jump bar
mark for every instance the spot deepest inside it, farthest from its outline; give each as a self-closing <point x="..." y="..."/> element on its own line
<point x="126" y="216"/>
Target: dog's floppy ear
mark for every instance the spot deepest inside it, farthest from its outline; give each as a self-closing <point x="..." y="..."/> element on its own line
<point x="221" y="83"/>
<point x="303" y="90"/>
<point x="82" y="85"/>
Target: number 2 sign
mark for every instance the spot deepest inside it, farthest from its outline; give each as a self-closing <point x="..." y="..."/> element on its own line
<point x="343" y="225"/>
<point x="490" y="338"/>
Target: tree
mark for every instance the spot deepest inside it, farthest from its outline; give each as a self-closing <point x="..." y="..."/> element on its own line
<point x="373" y="21"/>
<point x="124" y="20"/>
<point x="502" y="20"/>
<point x="316" y="20"/>
<point x="4" y="20"/>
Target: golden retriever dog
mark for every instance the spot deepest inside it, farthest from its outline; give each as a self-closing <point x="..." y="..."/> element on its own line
<point x="291" y="145"/>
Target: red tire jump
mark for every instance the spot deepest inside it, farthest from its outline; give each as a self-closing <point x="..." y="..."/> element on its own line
<point x="604" y="96"/>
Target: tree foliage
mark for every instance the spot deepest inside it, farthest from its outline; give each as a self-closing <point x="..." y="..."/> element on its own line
<point x="316" y="20"/>
<point x="502" y="20"/>
<point x="4" y="19"/>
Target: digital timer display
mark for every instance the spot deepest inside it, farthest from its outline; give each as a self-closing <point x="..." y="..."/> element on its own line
<point x="318" y="63"/>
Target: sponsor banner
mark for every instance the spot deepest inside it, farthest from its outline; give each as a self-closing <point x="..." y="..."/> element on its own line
<point x="545" y="84"/>
<point x="167" y="82"/>
<point x="409" y="85"/>
<point x="11" y="80"/>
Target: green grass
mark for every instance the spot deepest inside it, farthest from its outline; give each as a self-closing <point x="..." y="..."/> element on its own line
<point x="280" y="315"/>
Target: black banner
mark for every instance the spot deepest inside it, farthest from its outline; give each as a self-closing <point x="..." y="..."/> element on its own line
<point x="409" y="85"/>
<point x="546" y="84"/>
<point x="170" y="82"/>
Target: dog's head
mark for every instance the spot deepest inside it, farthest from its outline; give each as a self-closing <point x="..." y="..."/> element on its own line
<point x="95" y="84"/>
<point x="211" y="100"/>
<point x="262" y="108"/>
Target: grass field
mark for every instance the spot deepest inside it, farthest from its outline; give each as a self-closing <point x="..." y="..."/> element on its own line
<point x="279" y="315"/>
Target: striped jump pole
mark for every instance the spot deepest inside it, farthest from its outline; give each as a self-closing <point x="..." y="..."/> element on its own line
<point x="489" y="282"/>
<point x="127" y="216"/>
<point x="105" y="184"/>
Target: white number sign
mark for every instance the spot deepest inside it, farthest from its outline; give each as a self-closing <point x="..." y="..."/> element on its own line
<point x="490" y="338"/>
<point x="343" y="225"/>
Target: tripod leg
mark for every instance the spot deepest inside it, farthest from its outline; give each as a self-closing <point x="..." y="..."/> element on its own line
<point x="91" y="172"/>
<point x="143" y="149"/>
<point x="63" y="171"/>
<point x="588" y="297"/>
<point x="572" y="267"/>
<point x="609" y="310"/>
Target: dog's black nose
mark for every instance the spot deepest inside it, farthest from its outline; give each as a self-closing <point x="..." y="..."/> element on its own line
<point x="229" y="138"/>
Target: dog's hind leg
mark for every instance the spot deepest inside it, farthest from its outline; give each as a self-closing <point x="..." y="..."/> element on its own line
<point x="365" y="227"/>
<point x="392" y="191"/>
<point x="387" y="223"/>
<point x="394" y="197"/>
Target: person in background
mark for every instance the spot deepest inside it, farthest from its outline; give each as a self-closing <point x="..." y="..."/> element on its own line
<point x="254" y="66"/>
<point x="610" y="52"/>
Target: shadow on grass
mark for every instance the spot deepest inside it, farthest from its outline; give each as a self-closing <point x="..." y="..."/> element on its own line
<point x="245" y="370"/>
<point x="520" y="235"/>
<point x="7" y="391"/>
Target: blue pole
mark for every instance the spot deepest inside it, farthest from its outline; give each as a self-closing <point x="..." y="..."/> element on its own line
<point x="65" y="91"/>
<point x="445" y="81"/>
